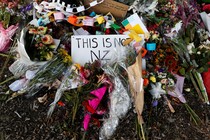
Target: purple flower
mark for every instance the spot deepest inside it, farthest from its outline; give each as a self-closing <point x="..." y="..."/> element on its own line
<point x="155" y="103"/>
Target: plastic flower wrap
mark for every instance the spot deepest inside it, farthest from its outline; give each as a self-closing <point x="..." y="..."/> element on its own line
<point x="19" y="84"/>
<point x="71" y="80"/>
<point x="6" y="36"/>
<point x="119" y="105"/>
<point x="48" y="72"/>
<point x="120" y="100"/>
<point x="144" y="7"/>
<point x="177" y="92"/>
<point x="32" y="52"/>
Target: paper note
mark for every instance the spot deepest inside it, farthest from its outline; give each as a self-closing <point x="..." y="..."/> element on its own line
<point x="117" y="9"/>
<point x="80" y="31"/>
<point x="134" y="23"/>
<point x="100" y="20"/>
<point x="88" y="21"/>
<point x="96" y="47"/>
<point x="135" y="36"/>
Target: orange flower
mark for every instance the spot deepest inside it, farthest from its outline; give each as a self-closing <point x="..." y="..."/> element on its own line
<point x="156" y="61"/>
<point x="146" y="82"/>
<point x="144" y="72"/>
<point x="47" y="39"/>
<point x="161" y="55"/>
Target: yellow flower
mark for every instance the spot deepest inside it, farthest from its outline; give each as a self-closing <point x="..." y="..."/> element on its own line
<point x="67" y="59"/>
<point x="63" y="52"/>
<point x="49" y="56"/>
<point x="78" y="66"/>
<point x="153" y="79"/>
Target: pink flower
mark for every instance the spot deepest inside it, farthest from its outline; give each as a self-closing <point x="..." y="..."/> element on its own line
<point x="5" y="36"/>
<point x="92" y="105"/>
<point x="11" y="5"/>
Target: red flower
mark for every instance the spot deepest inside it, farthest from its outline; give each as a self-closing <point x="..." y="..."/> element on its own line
<point x="170" y="62"/>
<point x="152" y="27"/>
<point x="60" y="103"/>
<point x="88" y="107"/>
<point x="96" y="122"/>
<point x="206" y="8"/>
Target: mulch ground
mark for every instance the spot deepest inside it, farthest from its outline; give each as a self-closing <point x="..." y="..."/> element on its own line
<point x="25" y="119"/>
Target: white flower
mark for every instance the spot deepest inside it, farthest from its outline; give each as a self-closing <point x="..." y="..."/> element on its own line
<point x="170" y="82"/>
<point x="157" y="90"/>
<point x="198" y="52"/>
<point x="187" y="89"/>
<point x="190" y="47"/>
<point x="177" y="27"/>
<point x="162" y="75"/>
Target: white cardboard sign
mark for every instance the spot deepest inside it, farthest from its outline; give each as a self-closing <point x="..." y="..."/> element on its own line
<point x="88" y="48"/>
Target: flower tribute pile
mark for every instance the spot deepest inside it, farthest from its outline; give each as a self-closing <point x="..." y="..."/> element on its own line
<point x="142" y="53"/>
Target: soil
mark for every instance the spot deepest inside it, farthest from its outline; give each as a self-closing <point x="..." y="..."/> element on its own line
<point x="25" y="119"/>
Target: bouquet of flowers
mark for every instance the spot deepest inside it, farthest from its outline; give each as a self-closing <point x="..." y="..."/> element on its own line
<point x="40" y="44"/>
<point x="48" y="73"/>
<point x="6" y="36"/>
<point x="35" y="47"/>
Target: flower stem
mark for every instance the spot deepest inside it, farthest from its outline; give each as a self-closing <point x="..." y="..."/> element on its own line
<point x="142" y="131"/>
<point x="201" y="86"/>
<point x="5" y="63"/>
<point x="192" y="113"/>
<point x="7" y="80"/>
<point x="196" y="87"/>
<point x="4" y="55"/>
<point x="83" y="137"/>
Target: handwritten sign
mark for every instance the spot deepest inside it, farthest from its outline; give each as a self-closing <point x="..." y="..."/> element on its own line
<point x="117" y="9"/>
<point x="88" y="48"/>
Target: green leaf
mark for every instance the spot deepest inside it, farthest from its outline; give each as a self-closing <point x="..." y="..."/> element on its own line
<point x="68" y="97"/>
<point x="200" y="70"/>
<point x="194" y="50"/>
<point x="182" y="71"/>
<point x="187" y="40"/>
<point x="6" y="19"/>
